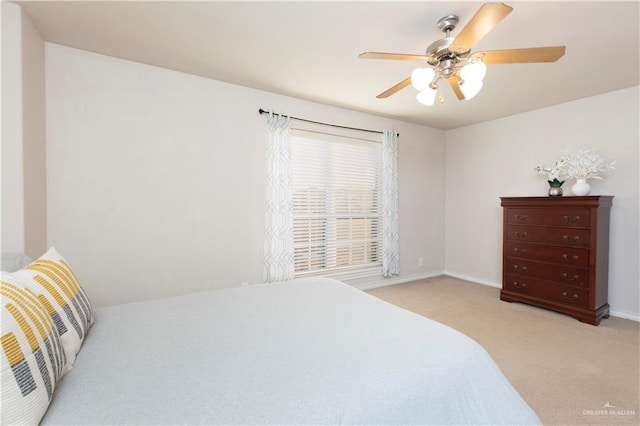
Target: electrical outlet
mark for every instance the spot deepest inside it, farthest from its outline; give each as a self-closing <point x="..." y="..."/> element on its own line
<point x="420" y="261"/>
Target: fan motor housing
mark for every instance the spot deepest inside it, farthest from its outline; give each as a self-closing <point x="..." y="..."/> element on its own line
<point x="438" y="50"/>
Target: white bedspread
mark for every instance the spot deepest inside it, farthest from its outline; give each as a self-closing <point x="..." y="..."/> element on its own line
<point x="311" y="351"/>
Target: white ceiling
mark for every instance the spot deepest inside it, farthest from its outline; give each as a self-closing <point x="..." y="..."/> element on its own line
<point x="310" y="49"/>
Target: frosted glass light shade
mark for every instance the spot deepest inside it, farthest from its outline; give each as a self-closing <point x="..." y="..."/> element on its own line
<point x="470" y="88"/>
<point x="427" y="96"/>
<point x="473" y="72"/>
<point x="421" y="77"/>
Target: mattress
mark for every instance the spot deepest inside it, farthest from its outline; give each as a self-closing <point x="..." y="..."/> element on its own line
<point x="308" y="351"/>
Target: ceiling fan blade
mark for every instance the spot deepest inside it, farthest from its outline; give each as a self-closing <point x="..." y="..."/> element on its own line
<point x="486" y="18"/>
<point x="522" y="56"/>
<point x="394" y="89"/>
<point x="453" y="82"/>
<point x="395" y="56"/>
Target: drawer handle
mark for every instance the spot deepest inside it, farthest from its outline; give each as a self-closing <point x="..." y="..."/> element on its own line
<point x="521" y="217"/>
<point x="573" y="278"/>
<point x="520" y="251"/>
<point x="574" y="257"/>
<point x="519" y="268"/>
<point x="516" y="284"/>
<point x="574" y="219"/>
<point x="521" y="234"/>
<point x="571" y="299"/>
<point x="574" y="238"/>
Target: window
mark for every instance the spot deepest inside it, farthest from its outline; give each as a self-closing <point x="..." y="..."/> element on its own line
<point x="336" y="203"/>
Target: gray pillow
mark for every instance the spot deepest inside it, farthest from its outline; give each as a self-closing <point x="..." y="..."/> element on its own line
<point x="11" y="262"/>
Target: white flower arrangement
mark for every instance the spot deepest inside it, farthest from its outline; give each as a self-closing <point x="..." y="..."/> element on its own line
<point x="555" y="174"/>
<point x="584" y="164"/>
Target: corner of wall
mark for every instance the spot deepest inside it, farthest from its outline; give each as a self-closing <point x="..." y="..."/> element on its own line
<point x="33" y="139"/>
<point x="23" y="134"/>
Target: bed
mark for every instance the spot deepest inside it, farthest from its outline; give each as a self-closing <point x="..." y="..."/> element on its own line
<point x="308" y="351"/>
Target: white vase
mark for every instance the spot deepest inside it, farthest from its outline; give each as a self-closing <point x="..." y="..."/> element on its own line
<point x="581" y="187"/>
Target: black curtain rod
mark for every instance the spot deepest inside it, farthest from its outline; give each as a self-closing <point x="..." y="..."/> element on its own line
<point x="262" y="111"/>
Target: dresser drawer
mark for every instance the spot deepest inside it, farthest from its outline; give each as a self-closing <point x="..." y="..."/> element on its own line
<point x="559" y="293"/>
<point x="569" y="275"/>
<point x="555" y="236"/>
<point x="567" y="217"/>
<point x="563" y="255"/>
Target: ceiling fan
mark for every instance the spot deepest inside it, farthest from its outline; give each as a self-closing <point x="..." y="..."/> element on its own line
<point x="451" y="58"/>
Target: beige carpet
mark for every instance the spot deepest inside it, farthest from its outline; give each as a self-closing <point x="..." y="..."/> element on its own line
<point x="569" y="372"/>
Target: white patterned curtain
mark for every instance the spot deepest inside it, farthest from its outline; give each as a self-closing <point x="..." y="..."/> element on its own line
<point x="278" y="239"/>
<point x="390" y="259"/>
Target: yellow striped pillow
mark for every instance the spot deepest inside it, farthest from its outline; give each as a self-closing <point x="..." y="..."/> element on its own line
<point x="32" y="355"/>
<point x="56" y="287"/>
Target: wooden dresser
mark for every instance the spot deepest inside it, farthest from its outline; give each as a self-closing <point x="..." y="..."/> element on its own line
<point x="556" y="254"/>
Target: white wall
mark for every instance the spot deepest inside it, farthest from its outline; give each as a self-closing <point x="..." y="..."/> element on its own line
<point x="150" y="170"/>
<point x="12" y="166"/>
<point x="156" y="178"/>
<point x="496" y="158"/>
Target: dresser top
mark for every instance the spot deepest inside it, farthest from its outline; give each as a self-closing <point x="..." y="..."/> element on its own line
<point x="588" y="201"/>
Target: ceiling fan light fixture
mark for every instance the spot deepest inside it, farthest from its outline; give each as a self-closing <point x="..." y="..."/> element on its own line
<point x="421" y="77"/>
<point x="470" y="88"/>
<point x="427" y="96"/>
<point x="474" y="71"/>
<point x="452" y="58"/>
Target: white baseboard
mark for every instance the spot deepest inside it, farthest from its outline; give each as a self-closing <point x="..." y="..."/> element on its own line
<point x="623" y="314"/>
<point x="613" y="312"/>
<point x="398" y="280"/>
<point x="473" y="279"/>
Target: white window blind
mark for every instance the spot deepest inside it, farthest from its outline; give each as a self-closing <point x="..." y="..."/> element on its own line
<point x="336" y="203"/>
